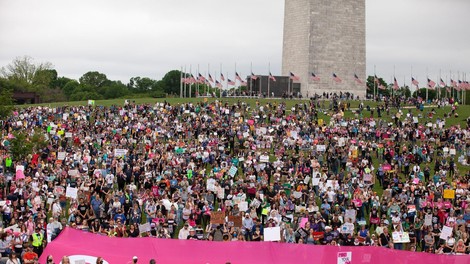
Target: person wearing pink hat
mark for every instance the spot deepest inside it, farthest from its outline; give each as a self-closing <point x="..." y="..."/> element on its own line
<point x="17" y="243"/>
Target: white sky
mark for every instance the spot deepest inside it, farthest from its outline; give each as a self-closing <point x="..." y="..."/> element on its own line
<point x="150" y="37"/>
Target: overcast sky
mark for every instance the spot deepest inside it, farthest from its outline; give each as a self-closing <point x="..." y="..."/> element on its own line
<point x="150" y="37"/>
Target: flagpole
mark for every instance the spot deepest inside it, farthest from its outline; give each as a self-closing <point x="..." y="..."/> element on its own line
<point x="208" y="72"/>
<point x="239" y="87"/>
<point x="411" y="80"/>
<point x="427" y="87"/>
<point x="220" y="89"/>
<point x="375" y="82"/>
<point x="439" y="92"/>
<point x="260" y="83"/>
<point x="184" y="85"/>
<point x="447" y="81"/>
<point x="191" y="83"/>
<point x="269" y="77"/>
<point x="251" y="79"/>
<point x="393" y="86"/>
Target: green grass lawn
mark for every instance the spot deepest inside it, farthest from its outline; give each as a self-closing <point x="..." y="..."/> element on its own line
<point x="230" y="100"/>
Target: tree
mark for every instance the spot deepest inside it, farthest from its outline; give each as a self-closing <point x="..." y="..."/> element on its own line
<point x="114" y="89"/>
<point x="171" y="82"/>
<point x="70" y="87"/>
<point x="373" y="86"/>
<point x="6" y="102"/>
<point x="94" y="79"/>
<point x="45" y="77"/>
<point x="23" y="69"/>
<point x="141" y="84"/>
<point x="23" y="144"/>
<point x="61" y="82"/>
<point x="422" y="93"/>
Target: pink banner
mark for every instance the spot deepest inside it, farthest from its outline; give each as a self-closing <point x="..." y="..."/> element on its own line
<point x="86" y="246"/>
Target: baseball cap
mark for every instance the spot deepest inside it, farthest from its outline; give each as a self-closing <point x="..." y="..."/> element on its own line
<point x="134" y="257"/>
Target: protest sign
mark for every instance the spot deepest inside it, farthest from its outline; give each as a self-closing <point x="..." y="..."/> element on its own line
<point x="218" y="217"/>
<point x="236" y="220"/>
<point x="233" y="170"/>
<point x="272" y="234"/>
<point x="428" y="220"/>
<point x="243" y="206"/>
<point x="449" y="194"/>
<point x="446" y="232"/>
<point x="61" y="155"/>
<point x="120" y="152"/>
<point x="400" y="237"/>
<point x="144" y="228"/>
<point x="71" y="192"/>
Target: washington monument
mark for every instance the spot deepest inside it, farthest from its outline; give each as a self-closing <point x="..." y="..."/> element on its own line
<point x="325" y="37"/>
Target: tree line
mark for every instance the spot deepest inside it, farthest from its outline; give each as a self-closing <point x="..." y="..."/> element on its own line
<point x="23" y="74"/>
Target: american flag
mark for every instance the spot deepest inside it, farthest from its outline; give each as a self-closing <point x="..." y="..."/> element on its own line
<point x="230" y="82"/>
<point x="207" y="83"/>
<point x="253" y="76"/>
<point x="356" y="78"/>
<point x="381" y="87"/>
<point x="210" y="78"/>
<point x="448" y="89"/>
<point x="414" y="82"/>
<point x="467" y="85"/>
<point x="237" y="77"/>
<point x="453" y="83"/>
<point x="376" y="79"/>
<point x="294" y="77"/>
<point x="243" y="83"/>
<point x="201" y="78"/>
<point x="222" y="77"/>
<point x="395" y="84"/>
<point x="336" y="78"/>
<point x="442" y="83"/>
<point x="192" y="80"/>
<point x="431" y="83"/>
<point x="313" y="77"/>
<point x="271" y="77"/>
<point x="461" y="85"/>
<point x="218" y="84"/>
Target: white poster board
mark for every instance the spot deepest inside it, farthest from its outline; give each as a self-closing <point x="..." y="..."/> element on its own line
<point x="400" y="237"/>
<point x="264" y="158"/>
<point x="71" y="192"/>
<point x="243" y="206"/>
<point x="446" y="232"/>
<point x="211" y="185"/>
<point x="233" y="170"/>
<point x="120" y="152"/>
<point x="315" y="181"/>
<point x="144" y="228"/>
<point x="61" y="155"/>
<point x="272" y="234"/>
<point x="428" y="220"/>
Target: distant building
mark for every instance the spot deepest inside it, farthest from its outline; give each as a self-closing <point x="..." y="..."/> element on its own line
<point x="325" y="37"/>
<point x="278" y="88"/>
<point x="26" y="98"/>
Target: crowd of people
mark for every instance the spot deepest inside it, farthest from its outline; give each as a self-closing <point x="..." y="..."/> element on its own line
<point x="166" y="171"/>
